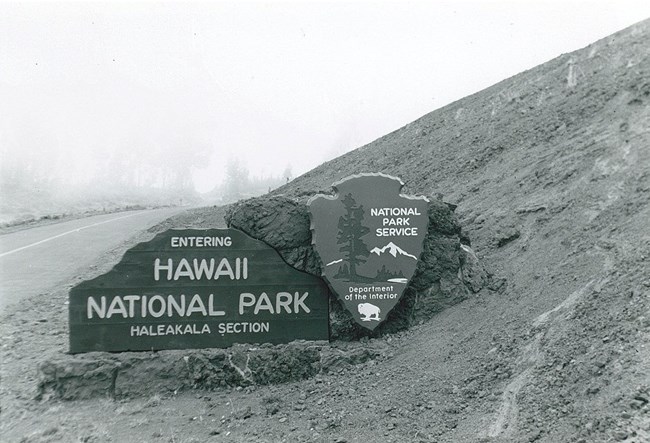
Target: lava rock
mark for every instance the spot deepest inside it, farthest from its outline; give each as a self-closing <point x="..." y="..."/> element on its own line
<point x="446" y="273"/>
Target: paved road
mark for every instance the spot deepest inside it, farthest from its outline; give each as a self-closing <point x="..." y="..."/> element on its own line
<point x="34" y="261"/>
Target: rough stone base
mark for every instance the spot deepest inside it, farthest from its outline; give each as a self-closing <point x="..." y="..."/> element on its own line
<point x="134" y="374"/>
<point x="447" y="273"/>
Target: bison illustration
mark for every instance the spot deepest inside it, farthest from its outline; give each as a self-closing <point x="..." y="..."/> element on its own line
<point x="369" y="312"/>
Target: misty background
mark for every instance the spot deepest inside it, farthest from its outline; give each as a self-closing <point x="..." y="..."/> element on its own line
<point x="112" y="105"/>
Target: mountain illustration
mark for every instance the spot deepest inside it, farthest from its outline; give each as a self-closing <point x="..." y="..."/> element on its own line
<point x="393" y="250"/>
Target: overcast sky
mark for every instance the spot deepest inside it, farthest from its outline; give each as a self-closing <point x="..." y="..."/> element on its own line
<point x="270" y="83"/>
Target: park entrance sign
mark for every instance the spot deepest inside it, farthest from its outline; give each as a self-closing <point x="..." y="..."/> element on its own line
<point x="197" y="289"/>
<point x="369" y="238"/>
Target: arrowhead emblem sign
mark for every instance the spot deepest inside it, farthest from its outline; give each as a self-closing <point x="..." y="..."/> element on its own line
<point x="369" y="238"/>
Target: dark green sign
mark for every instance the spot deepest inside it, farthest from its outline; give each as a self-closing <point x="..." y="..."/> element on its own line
<point x="369" y="238"/>
<point x="197" y="289"/>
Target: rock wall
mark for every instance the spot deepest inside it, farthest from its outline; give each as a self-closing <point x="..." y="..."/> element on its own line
<point x="447" y="273"/>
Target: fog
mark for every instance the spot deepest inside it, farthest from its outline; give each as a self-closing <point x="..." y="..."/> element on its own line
<point x="112" y="104"/>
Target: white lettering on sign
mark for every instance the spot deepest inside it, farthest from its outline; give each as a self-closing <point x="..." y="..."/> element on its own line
<point x="392" y="232"/>
<point x="371" y="288"/>
<point x="395" y="217"/>
<point x="393" y="212"/>
<point x="182" y="329"/>
<point x="200" y="242"/>
<point x="239" y="327"/>
<point x="399" y="221"/>
<point x="283" y="301"/>
<point x="201" y="269"/>
<point x="371" y="293"/>
<point x="155" y="306"/>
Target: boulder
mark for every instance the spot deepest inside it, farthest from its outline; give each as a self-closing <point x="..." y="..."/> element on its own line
<point x="447" y="272"/>
<point x="473" y="273"/>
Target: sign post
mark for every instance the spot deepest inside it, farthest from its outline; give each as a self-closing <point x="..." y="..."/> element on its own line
<point x="369" y="238"/>
<point x="197" y="289"/>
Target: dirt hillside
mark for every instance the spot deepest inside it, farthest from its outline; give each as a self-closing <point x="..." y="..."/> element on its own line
<point x="550" y="172"/>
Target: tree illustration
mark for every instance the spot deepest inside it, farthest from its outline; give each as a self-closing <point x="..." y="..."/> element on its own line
<point x="351" y="230"/>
